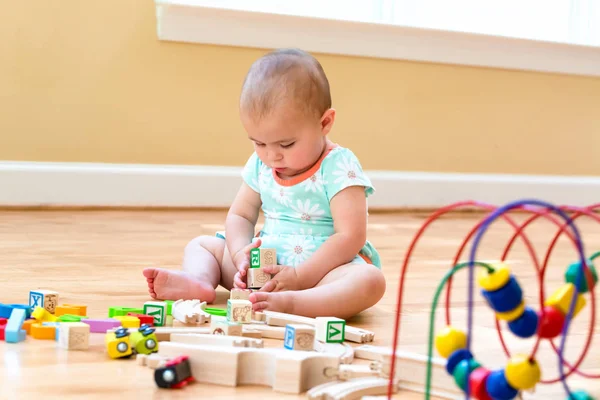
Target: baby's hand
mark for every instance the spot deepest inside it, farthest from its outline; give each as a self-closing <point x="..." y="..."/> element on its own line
<point x="241" y="261"/>
<point x="285" y="278"/>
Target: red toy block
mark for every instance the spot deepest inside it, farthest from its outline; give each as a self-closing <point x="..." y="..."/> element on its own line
<point x="2" y="327"/>
<point x="144" y="319"/>
<point x="3" y="321"/>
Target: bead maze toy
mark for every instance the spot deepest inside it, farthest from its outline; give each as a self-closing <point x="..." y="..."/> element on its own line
<point x="500" y="288"/>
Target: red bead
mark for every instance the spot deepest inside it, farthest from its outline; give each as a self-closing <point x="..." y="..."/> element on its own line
<point x="551" y="323"/>
<point x="477" y="384"/>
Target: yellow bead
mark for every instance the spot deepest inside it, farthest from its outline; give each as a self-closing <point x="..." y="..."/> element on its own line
<point x="495" y="280"/>
<point x="513" y="314"/>
<point x="561" y="299"/>
<point x="448" y="340"/>
<point x="522" y="373"/>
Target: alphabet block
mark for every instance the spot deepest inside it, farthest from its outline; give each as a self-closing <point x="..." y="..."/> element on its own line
<point x="299" y="337"/>
<point x="47" y="299"/>
<point x="261" y="257"/>
<point x="239" y="311"/>
<point x="257" y="278"/>
<point x="240" y="294"/>
<point x="158" y="310"/>
<point x="330" y="329"/>
<point x="224" y="327"/>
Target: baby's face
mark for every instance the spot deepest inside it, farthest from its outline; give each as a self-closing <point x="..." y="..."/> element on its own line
<point x="287" y="142"/>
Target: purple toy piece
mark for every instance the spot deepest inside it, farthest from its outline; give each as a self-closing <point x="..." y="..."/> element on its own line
<point x="101" y="325"/>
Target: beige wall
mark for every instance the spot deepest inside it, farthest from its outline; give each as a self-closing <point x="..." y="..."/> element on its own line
<point x="89" y="81"/>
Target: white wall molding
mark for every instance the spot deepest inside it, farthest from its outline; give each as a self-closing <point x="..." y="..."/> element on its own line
<point x="189" y="21"/>
<point x="116" y="185"/>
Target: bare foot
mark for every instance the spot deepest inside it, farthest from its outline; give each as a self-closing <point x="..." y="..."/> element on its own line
<point x="174" y="285"/>
<point x="273" y="301"/>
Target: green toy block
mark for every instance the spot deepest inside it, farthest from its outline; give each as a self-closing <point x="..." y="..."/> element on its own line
<point x="221" y="312"/>
<point x="169" y="306"/>
<point x="71" y="318"/>
<point x="157" y="309"/>
<point x="122" y="311"/>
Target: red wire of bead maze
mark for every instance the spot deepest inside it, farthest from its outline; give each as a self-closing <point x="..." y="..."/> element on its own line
<point x="519" y="231"/>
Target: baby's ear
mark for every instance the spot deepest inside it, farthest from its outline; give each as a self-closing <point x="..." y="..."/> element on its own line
<point x="327" y="121"/>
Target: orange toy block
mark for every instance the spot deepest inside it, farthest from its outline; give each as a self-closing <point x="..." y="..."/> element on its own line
<point x="27" y="325"/>
<point x="39" y="331"/>
<point x="63" y="309"/>
<point x="81" y="309"/>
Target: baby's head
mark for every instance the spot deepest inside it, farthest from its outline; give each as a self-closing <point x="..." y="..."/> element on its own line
<point x="285" y="107"/>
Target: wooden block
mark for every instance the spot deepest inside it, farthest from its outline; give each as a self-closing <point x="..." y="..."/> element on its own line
<point x="240" y="294"/>
<point x="352" y="334"/>
<point x="268" y="332"/>
<point x="43" y="332"/>
<point x="216" y="340"/>
<point x="81" y="309"/>
<point x="155" y="361"/>
<point x="284" y="370"/>
<point x="128" y="321"/>
<point x="74" y="336"/>
<point x="190" y="312"/>
<point x="352" y="389"/>
<point x="330" y="329"/>
<point x="239" y="311"/>
<point x="257" y="278"/>
<point x="299" y="337"/>
<point x="62" y="310"/>
<point x="158" y="310"/>
<point x="411" y="370"/>
<point x="259" y="316"/>
<point x="251" y="333"/>
<point x="262" y="257"/>
<point x="141" y="359"/>
<point x="102" y="325"/>
<point x="224" y="327"/>
<point x="13" y="332"/>
<point x="47" y="299"/>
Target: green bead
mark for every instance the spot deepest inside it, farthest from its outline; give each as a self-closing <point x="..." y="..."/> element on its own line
<point x="462" y="369"/>
<point x="580" y="395"/>
<point x="571" y="275"/>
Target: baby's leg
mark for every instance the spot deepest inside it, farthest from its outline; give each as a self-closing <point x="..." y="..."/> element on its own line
<point x="206" y="263"/>
<point x="343" y="293"/>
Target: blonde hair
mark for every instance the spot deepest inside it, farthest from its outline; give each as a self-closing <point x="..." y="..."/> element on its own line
<point x="285" y="75"/>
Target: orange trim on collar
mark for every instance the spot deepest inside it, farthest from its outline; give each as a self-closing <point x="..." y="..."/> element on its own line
<point x="306" y="174"/>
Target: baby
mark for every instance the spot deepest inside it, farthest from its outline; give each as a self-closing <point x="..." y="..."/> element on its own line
<point x="313" y="194"/>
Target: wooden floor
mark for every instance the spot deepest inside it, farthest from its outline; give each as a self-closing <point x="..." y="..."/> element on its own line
<point x="96" y="258"/>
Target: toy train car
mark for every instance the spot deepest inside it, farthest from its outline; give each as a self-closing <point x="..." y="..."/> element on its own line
<point x="175" y="374"/>
<point x="144" y="340"/>
<point x="117" y="343"/>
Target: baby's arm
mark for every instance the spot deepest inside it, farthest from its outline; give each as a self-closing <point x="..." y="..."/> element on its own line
<point x="241" y="222"/>
<point x="349" y="212"/>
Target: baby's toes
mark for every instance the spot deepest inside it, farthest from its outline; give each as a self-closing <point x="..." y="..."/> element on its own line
<point x="259" y="300"/>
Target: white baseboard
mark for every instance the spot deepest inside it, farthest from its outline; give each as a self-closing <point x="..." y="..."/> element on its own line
<point x="116" y="185"/>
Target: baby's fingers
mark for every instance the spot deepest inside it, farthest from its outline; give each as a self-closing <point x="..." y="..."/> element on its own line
<point x="238" y="282"/>
<point x="252" y="246"/>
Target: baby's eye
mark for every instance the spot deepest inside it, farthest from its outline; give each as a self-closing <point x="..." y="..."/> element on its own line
<point x="259" y="144"/>
<point x="286" y="146"/>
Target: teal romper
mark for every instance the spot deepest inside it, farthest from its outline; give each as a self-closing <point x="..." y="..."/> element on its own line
<point x="298" y="219"/>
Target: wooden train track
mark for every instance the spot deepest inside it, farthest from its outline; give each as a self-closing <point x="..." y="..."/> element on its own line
<point x="351" y="389"/>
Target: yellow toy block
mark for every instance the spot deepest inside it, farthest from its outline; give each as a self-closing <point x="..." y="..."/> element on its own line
<point x="561" y="299"/>
<point x="42" y="315"/>
<point x="128" y="321"/>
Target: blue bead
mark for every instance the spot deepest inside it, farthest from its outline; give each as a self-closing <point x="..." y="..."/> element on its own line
<point x="455" y="358"/>
<point x="526" y="325"/>
<point x="498" y="387"/>
<point x="506" y="298"/>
